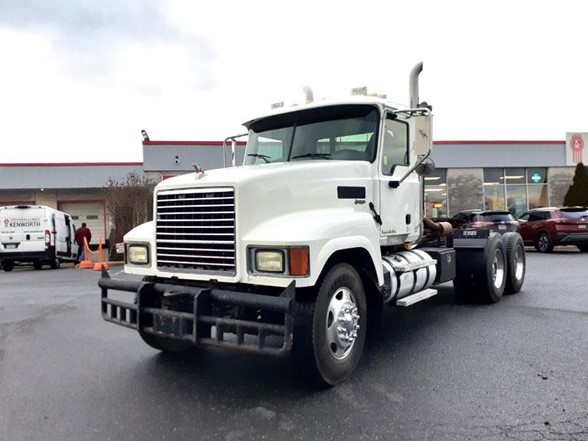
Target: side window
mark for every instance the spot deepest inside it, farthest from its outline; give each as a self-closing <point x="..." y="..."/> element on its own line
<point x="524" y="217"/>
<point x="395" y="145"/>
<point x="534" y="217"/>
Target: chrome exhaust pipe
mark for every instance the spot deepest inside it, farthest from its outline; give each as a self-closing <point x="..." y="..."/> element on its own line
<point x="414" y="85"/>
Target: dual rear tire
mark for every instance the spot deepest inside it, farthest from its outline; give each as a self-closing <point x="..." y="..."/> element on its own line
<point x="485" y="275"/>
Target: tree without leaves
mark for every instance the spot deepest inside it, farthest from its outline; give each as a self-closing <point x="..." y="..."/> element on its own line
<point x="129" y="203"/>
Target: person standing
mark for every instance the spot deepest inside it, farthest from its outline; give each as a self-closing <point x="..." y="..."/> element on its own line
<point x="81" y="233"/>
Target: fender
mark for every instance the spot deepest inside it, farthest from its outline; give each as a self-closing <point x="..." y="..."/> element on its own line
<point x="324" y="232"/>
<point x="143" y="233"/>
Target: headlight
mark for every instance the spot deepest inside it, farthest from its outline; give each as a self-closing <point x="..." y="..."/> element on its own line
<point x="271" y="261"/>
<point x="138" y="254"/>
<point x="288" y="261"/>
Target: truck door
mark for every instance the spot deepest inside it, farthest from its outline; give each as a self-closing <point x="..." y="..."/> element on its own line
<point x="400" y="208"/>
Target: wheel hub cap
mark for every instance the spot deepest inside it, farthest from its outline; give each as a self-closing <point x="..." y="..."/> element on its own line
<point x="342" y="323"/>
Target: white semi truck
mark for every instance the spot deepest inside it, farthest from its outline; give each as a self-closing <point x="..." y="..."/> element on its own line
<point x="293" y="251"/>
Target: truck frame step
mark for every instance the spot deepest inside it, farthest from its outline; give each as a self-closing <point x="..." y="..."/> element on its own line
<point x="417" y="297"/>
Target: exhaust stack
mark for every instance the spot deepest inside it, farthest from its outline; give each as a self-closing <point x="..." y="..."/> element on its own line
<point x="414" y="85"/>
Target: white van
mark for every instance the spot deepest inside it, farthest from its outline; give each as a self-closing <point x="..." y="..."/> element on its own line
<point x="37" y="234"/>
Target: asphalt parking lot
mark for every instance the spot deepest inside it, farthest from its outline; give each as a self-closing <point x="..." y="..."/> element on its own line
<point x="437" y="370"/>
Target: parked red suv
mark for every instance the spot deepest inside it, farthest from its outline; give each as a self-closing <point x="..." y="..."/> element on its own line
<point x="548" y="227"/>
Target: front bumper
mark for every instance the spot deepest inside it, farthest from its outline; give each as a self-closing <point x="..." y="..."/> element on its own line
<point x="195" y="314"/>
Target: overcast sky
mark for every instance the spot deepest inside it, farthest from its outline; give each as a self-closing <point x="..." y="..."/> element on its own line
<point x="79" y="79"/>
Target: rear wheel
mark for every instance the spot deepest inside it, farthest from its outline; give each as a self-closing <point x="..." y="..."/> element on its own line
<point x="330" y="331"/>
<point x="168" y="345"/>
<point x="583" y="248"/>
<point x="55" y="263"/>
<point x="515" y="262"/>
<point x="543" y="243"/>
<point x="481" y="274"/>
<point x="37" y="264"/>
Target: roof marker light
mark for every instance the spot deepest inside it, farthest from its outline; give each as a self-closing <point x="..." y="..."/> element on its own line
<point x="308" y="94"/>
<point x="359" y="91"/>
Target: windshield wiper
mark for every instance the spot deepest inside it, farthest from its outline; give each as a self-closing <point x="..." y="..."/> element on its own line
<point x="257" y="155"/>
<point x="313" y="155"/>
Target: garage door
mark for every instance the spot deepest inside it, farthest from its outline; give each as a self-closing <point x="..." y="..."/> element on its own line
<point x="90" y="212"/>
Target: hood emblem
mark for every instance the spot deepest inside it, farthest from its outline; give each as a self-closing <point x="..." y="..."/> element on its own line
<point x="199" y="170"/>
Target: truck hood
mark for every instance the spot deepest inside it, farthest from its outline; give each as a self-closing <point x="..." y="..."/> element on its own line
<point x="268" y="191"/>
<point x="281" y="183"/>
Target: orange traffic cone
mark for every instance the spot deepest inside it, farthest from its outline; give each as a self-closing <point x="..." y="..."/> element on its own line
<point x="101" y="263"/>
<point x="86" y="263"/>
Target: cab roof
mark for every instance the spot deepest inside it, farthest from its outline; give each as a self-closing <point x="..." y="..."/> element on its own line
<point x="378" y="102"/>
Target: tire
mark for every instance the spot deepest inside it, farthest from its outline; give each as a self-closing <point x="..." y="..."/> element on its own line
<point x="543" y="243"/>
<point x="37" y="264"/>
<point x="164" y="344"/>
<point x="8" y="265"/>
<point x="583" y="248"/>
<point x="329" y="332"/>
<point x="481" y="274"/>
<point x="55" y="263"/>
<point x="516" y="263"/>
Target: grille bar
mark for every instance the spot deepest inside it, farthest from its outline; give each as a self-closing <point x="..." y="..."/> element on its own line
<point x="195" y="230"/>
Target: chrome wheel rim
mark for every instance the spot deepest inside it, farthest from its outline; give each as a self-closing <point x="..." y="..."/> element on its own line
<point x="342" y="323"/>
<point x="498" y="269"/>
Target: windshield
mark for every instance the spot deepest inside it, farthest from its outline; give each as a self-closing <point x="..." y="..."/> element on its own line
<point x="333" y="133"/>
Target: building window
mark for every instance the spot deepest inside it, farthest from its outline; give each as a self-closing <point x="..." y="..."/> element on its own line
<point x="436" y="194"/>
<point x="515" y="189"/>
<point x="494" y="189"/>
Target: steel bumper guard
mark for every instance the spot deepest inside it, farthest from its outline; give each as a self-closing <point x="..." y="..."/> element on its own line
<point x="197" y="326"/>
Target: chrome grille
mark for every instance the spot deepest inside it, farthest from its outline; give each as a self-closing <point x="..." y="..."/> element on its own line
<point x="196" y="230"/>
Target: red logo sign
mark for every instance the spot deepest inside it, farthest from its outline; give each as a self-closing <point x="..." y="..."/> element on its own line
<point x="577" y="145"/>
<point x="6" y="222"/>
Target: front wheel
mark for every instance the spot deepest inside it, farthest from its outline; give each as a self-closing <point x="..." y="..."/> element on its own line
<point x="8" y="265"/>
<point x="543" y="243"/>
<point x="329" y="332"/>
<point x="583" y="248"/>
<point x="55" y="263"/>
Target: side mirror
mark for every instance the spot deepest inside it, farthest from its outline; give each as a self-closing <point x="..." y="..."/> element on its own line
<point x="423" y="136"/>
<point x="425" y="168"/>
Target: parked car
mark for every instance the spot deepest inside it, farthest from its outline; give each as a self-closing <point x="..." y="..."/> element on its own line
<point x="500" y="221"/>
<point x="547" y="227"/>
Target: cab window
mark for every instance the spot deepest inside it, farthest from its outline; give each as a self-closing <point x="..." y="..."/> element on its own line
<point x="395" y="145"/>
